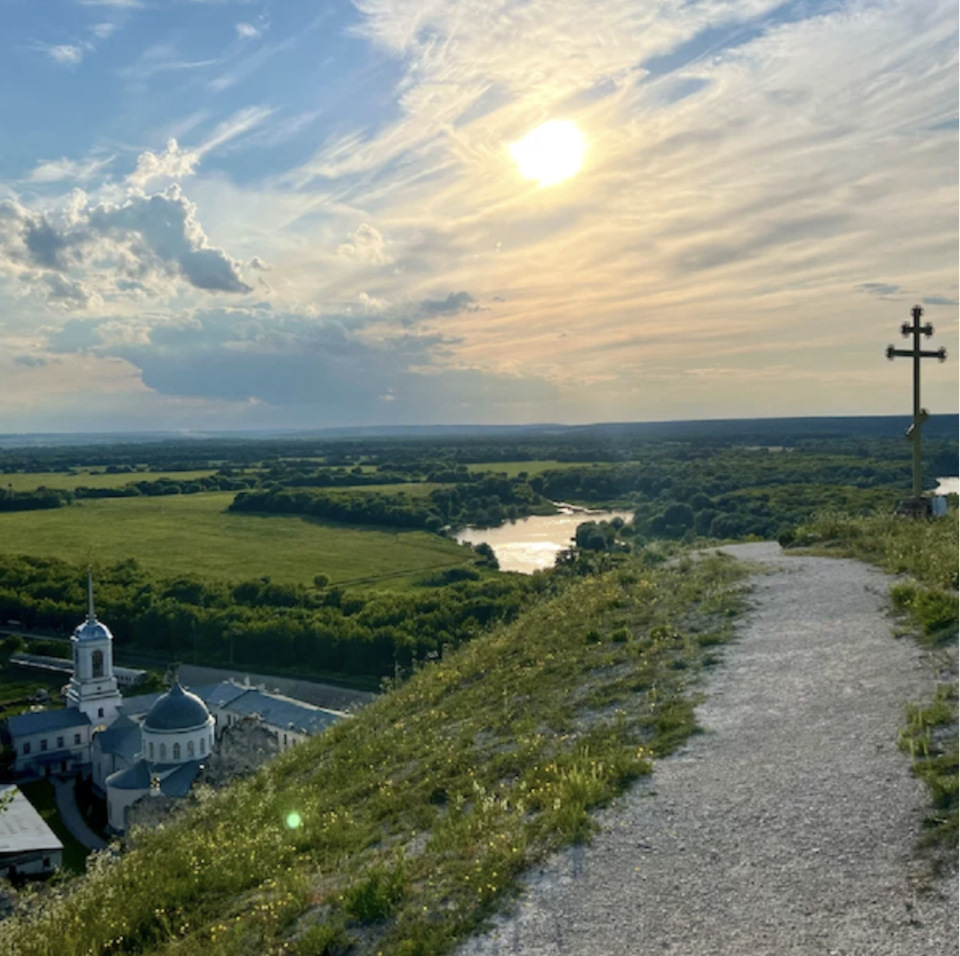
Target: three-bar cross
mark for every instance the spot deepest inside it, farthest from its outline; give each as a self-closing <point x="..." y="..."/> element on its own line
<point x="920" y="415"/>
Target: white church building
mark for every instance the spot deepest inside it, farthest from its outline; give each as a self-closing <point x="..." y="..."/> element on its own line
<point x="148" y="744"/>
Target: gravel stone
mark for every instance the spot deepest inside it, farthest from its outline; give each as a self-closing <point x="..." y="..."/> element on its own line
<point x="789" y="826"/>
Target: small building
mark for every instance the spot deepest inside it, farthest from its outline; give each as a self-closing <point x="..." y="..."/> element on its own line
<point x="28" y="847"/>
<point x="49" y="741"/>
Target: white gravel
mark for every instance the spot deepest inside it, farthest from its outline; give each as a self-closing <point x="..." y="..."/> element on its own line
<point x="788" y="827"/>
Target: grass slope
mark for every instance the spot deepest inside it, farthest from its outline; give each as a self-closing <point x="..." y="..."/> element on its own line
<point x="194" y="533"/>
<point x="402" y="830"/>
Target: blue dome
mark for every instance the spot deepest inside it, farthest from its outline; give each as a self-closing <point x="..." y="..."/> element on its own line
<point x="92" y="631"/>
<point x="177" y="709"/>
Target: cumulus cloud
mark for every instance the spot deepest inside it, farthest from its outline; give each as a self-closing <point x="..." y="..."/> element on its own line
<point x="247" y="31"/>
<point x="173" y="163"/>
<point x="365" y="245"/>
<point x="329" y="365"/>
<point x="88" y="250"/>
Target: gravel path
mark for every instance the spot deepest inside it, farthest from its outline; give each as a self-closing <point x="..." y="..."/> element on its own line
<point x="789" y="826"/>
<point x="71" y="816"/>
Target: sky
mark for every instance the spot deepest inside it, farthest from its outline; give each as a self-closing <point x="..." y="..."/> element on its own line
<point x="239" y="215"/>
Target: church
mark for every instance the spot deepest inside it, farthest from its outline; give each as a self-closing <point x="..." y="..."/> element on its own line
<point x="148" y="744"/>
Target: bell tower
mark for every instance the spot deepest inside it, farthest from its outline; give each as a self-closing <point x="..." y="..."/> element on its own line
<point x="93" y="687"/>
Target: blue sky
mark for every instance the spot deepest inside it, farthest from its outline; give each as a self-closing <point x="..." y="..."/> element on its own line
<point x="237" y="214"/>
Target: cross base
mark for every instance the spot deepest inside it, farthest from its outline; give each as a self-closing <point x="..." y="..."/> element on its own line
<point x="914" y="508"/>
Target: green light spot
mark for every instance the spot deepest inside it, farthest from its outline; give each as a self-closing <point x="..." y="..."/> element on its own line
<point x="294" y="820"/>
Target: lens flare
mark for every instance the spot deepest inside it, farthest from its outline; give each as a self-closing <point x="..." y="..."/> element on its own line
<point x="294" y="821"/>
<point x="550" y="153"/>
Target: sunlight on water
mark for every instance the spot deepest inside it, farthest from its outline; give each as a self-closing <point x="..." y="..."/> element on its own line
<point x="533" y="543"/>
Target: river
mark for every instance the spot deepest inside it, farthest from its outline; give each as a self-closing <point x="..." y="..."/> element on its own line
<point x="530" y="544"/>
<point x="948" y="486"/>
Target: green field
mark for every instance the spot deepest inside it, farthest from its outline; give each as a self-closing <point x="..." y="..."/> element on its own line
<point x="29" y="480"/>
<point x="170" y="534"/>
<point x="513" y="468"/>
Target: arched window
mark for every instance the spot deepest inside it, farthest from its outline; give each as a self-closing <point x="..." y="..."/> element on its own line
<point x="163" y="752"/>
<point x="151" y="750"/>
<point x="98" y="663"/>
<point x="203" y="746"/>
<point x="176" y="751"/>
<point x="190" y="752"/>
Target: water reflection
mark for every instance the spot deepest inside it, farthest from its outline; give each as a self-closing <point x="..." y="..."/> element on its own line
<point x="530" y="544"/>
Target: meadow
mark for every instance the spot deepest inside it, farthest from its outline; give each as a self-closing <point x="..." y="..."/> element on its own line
<point x="68" y="480"/>
<point x="195" y="534"/>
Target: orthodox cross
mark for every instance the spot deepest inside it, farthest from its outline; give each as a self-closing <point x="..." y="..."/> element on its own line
<point x="920" y="415"/>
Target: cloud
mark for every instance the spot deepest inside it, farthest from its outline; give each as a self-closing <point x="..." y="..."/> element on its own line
<point x="365" y="245"/>
<point x="939" y="300"/>
<point x="68" y="54"/>
<point x="247" y="31"/>
<point x="86" y="250"/>
<point x="328" y="366"/>
<point x="103" y="31"/>
<point x="879" y="288"/>
<point x="54" y="170"/>
<point x="172" y="163"/>
<point x="30" y="361"/>
<point x="451" y="305"/>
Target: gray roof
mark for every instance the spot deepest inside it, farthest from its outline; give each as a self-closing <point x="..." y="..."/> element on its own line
<point x="177" y="709"/>
<point x="138" y="775"/>
<point x="22" y="829"/>
<point x="283" y="712"/>
<point x="134" y="777"/>
<point x="138" y="705"/>
<point x="49" y="721"/>
<point x="122" y="737"/>
<point x="179" y="782"/>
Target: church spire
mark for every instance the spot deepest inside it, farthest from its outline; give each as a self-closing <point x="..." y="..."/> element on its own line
<point x="91" y="615"/>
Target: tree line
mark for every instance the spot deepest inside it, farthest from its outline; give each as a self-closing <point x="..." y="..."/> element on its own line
<point x="262" y="624"/>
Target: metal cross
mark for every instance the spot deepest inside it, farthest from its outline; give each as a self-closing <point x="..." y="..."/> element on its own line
<point x="920" y="415"/>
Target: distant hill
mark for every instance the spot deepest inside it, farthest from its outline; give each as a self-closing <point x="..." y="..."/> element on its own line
<point x="758" y="430"/>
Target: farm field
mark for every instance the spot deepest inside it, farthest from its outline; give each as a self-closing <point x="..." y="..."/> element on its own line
<point x="29" y="480"/>
<point x="513" y="468"/>
<point x="173" y="534"/>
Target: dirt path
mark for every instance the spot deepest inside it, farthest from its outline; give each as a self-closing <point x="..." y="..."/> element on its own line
<point x="789" y="826"/>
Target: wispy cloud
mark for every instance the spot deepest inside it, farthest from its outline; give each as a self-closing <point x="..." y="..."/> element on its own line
<point x="55" y="170"/>
<point x="68" y="54"/>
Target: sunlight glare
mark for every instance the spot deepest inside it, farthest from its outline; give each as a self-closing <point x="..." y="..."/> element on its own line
<point x="550" y="153"/>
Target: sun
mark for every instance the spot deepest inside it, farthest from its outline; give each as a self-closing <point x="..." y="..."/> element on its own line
<point x="550" y="153"/>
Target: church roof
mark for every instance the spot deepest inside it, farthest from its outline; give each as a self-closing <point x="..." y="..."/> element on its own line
<point x="38" y="721"/>
<point x="134" y="777"/>
<point x="92" y="631"/>
<point x="175" y="779"/>
<point x="283" y="712"/>
<point x="178" y="783"/>
<point x="122" y="737"/>
<point x="177" y="709"/>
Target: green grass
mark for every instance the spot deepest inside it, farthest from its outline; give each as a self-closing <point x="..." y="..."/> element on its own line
<point x="194" y="533"/>
<point x="414" y="820"/>
<point x="40" y="794"/>
<point x="930" y="737"/>
<point x="926" y="550"/>
<point x="19" y="683"/>
<point x="513" y="468"/>
<point x="27" y="481"/>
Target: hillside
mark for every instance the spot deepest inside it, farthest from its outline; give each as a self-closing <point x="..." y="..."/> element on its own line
<point x="403" y="829"/>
